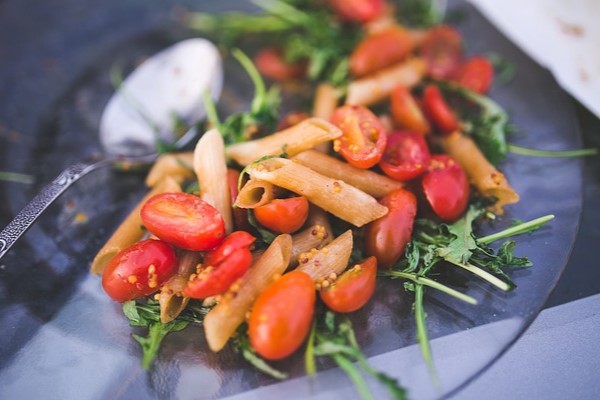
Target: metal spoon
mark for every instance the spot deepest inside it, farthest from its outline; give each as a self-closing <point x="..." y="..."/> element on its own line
<point x="168" y="85"/>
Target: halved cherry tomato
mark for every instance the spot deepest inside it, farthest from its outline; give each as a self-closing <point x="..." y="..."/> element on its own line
<point x="353" y="288"/>
<point x="357" y="10"/>
<point x="380" y="50"/>
<point x="406" y="156"/>
<point x="363" y="140"/>
<point x="476" y="74"/>
<point x="283" y="215"/>
<point x="406" y="112"/>
<point x="441" y="48"/>
<point x="292" y="119"/>
<point x="222" y="266"/>
<point x="438" y="110"/>
<point x="271" y="63"/>
<point x="183" y="220"/>
<point x="282" y="315"/>
<point x="240" y="215"/>
<point x="386" y="238"/>
<point x="139" y="270"/>
<point x="446" y="187"/>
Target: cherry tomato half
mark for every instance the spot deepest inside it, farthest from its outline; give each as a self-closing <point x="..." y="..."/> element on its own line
<point x="438" y="110"/>
<point x="357" y="10"/>
<point x="283" y="215"/>
<point x="406" y="112"/>
<point x="406" y="156"/>
<point x="183" y="220"/>
<point x="446" y="187"/>
<point x="476" y="74"/>
<point x="139" y="270"/>
<point x="271" y="63"/>
<point x="282" y="315"/>
<point x="386" y="238"/>
<point x="353" y="289"/>
<point x="222" y="266"/>
<point x="380" y="50"/>
<point x="441" y="48"/>
<point x="363" y="136"/>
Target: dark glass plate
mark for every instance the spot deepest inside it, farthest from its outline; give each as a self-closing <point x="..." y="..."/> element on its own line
<point x="63" y="338"/>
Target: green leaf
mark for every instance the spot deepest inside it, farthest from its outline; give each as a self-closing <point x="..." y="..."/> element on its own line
<point x="242" y="345"/>
<point x="266" y="236"/>
<point x="151" y="343"/>
<point x="419" y="13"/>
<point x="16" y="177"/>
<point x="463" y="243"/>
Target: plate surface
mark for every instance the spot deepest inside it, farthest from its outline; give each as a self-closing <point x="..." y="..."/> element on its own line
<point x="63" y="338"/>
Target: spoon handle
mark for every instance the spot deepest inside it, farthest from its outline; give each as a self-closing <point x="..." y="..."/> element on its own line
<point x="28" y="215"/>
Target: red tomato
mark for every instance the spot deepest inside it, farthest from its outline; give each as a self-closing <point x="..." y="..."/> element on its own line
<point x="139" y="270"/>
<point x="353" y="288"/>
<point x="441" y="48"/>
<point x="406" y="156"/>
<point x="240" y="215"/>
<point x="292" y="119"/>
<point x="363" y="136"/>
<point x="283" y="215"/>
<point x="476" y="74"/>
<point x="438" y="111"/>
<point x="184" y="220"/>
<point x="380" y="50"/>
<point x="222" y="266"/>
<point x="406" y="112"/>
<point x="270" y="63"/>
<point x="386" y="238"/>
<point x="282" y="315"/>
<point x="357" y="10"/>
<point x="446" y="187"/>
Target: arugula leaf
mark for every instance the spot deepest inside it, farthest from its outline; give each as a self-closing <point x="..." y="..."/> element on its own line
<point x="419" y="13"/>
<point x="242" y="345"/>
<point x="16" y="177"/>
<point x="266" y="236"/>
<point x="461" y="246"/>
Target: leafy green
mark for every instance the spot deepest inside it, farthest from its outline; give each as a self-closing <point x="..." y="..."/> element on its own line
<point x="503" y="69"/>
<point x="16" y="177"/>
<point x="241" y="344"/>
<point x="266" y="236"/>
<point x="420" y="13"/>
<point x="592" y="151"/>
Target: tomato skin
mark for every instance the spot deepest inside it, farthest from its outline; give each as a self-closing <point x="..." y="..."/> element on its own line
<point x="380" y="50"/>
<point x="386" y="238"/>
<point x="363" y="136"/>
<point x="183" y="220"/>
<point x="406" y="156"/>
<point x="282" y="315"/>
<point x="406" y="112"/>
<point x="130" y="274"/>
<point x="353" y="289"/>
<point x="271" y="63"/>
<point x="357" y="10"/>
<point x="441" y="48"/>
<point x="446" y="187"/>
<point x="228" y="262"/>
<point x="438" y="110"/>
<point x="283" y="215"/>
<point x="476" y="74"/>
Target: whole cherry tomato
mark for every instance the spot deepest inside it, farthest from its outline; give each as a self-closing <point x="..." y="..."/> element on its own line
<point x="139" y="270"/>
<point x="438" y="110"/>
<point x="406" y="111"/>
<point x="363" y="136"/>
<point x="406" y="156"/>
<point x="476" y="74"/>
<point x="353" y="288"/>
<point x="183" y="220"/>
<point x="271" y="63"/>
<point x="357" y="10"/>
<point x="446" y="187"/>
<point x="222" y="266"/>
<point x="380" y="50"/>
<point x="283" y="215"/>
<point x="441" y="48"/>
<point x="240" y="215"/>
<point x="282" y="315"/>
<point x="386" y="238"/>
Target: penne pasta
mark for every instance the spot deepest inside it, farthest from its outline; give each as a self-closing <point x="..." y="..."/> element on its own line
<point x="326" y="100"/>
<point x="377" y="87"/>
<point x="131" y="229"/>
<point x="222" y="321"/>
<point x="331" y="259"/>
<point x="364" y="179"/>
<point x="171" y="300"/>
<point x="303" y="136"/>
<point x="255" y="193"/>
<point x="211" y="170"/>
<point x="176" y="165"/>
<point x="334" y="196"/>
<point x="316" y="235"/>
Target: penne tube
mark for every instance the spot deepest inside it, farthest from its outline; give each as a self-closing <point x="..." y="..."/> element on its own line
<point x="211" y="170"/>
<point x="334" y="196"/>
<point x="378" y="86"/>
<point x="298" y="138"/>
<point x="326" y="100"/>
<point x="483" y="175"/>
<point x="222" y="321"/>
<point x="255" y="193"/>
<point x="176" y="165"/>
<point x="314" y="236"/>
<point x="331" y="259"/>
<point x="364" y="179"/>
<point x="171" y="300"/>
<point x="131" y="229"/>
<point x="385" y="20"/>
